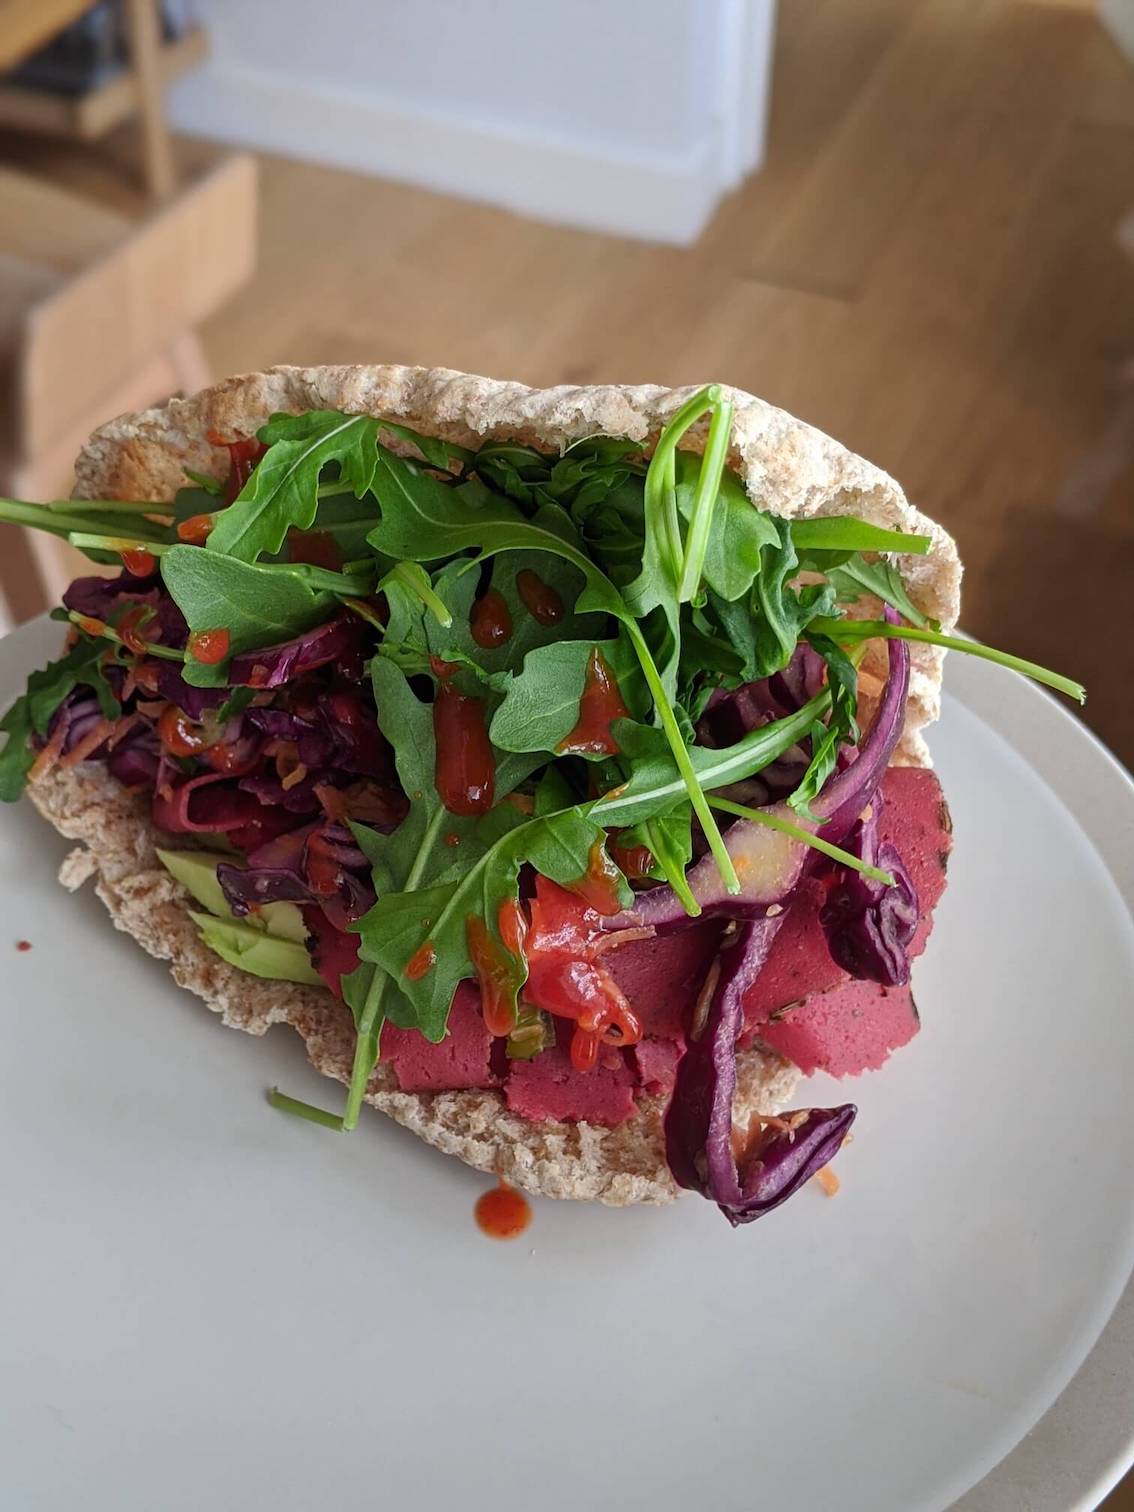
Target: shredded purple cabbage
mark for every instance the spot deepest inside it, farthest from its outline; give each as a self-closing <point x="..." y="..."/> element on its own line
<point x="698" y="1121"/>
<point x="272" y="666"/>
<point x="278" y="872"/>
<point x="192" y="701"/>
<point x="869" y="926"/>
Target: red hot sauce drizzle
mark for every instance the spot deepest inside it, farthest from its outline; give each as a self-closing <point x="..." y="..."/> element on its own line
<point x="139" y="562"/>
<point x="209" y="646"/>
<point x="465" y="769"/>
<point x="539" y="598"/>
<point x="566" y="976"/>
<point x="635" y="860"/>
<point x="242" y="458"/>
<point x="498" y="970"/>
<point x="423" y="960"/>
<point x="490" y="620"/>
<point x="600" y="704"/>
<point x="599" y="884"/>
<point x="196" y="529"/>
<point x="503" y="1213"/>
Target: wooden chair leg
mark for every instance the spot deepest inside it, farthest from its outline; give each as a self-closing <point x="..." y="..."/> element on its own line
<point x="144" y="25"/>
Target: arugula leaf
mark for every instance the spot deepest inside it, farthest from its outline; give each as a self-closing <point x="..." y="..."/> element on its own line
<point x="825" y="741"/>
<point x="655" y="785"/>
<point x="856" y="576"/>
<point x="541" y="706"/>
<point x="32" y="712"/>
<point x="259" y="604"/>
<point x="669" y="839"/>
<point x="733" y="556"/>
<point x="517" y="471"/>
<point x="438" y="453"/>
<point x="424" y="520"/>
<point x="283" y="490"/>
<point x="846" y="533"/>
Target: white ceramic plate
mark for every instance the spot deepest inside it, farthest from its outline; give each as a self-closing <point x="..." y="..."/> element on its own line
<point x="207" y="1304"/>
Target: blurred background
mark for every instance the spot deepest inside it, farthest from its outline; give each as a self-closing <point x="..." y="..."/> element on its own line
<point x="909" y="221"/>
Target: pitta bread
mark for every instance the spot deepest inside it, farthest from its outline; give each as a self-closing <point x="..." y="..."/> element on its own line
<point x="787" y="467"/>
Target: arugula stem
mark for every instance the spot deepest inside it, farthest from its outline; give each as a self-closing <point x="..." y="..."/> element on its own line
<point x="785" y="827"/>
<point x="76" y="514"/>
<point x="705" y="500"/>
<point x="681" y="757"/>
<point x="307" y="1110"/>
<point x="84" y="542"/>
<point x="368" y="1027"/>
<point x="366" y="1048"/>
<point x="660" y="486"/>
<point x="85" y="621"/>
<point x="839" y="629"/>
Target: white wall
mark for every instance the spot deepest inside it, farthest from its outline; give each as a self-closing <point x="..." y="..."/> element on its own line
<point x="624" y="115"/>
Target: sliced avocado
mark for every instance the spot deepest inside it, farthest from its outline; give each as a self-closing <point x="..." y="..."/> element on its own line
<point x="197" y="872"/>
<point x="255" y="951"/>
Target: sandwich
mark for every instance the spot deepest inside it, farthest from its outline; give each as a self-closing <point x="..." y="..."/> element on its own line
<point x="553" y="761"/>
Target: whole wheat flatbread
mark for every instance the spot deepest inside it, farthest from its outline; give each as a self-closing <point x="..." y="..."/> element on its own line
<point x="787" y="466"/>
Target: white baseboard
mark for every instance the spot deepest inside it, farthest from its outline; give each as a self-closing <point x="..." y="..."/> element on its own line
<point x="663" y="198"/>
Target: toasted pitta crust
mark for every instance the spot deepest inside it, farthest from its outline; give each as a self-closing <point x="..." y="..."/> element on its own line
<point x="787" y="466"/>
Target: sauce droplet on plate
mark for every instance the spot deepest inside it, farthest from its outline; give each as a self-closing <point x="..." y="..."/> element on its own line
<point x="539" y="598"/>
<point x="490" y="621"/>
<point x="600" y="704"/>
<point x="503" y="1213"/>
<point x="23" y="944"/>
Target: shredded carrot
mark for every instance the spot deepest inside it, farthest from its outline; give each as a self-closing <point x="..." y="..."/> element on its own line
<point x="95" y="737"/>
<point x="331" y="801"/>
<point x="622" y="937"/>
<point x="123" y="727"/>
<point x="50" y="753"/>
<point x="297" y="774"/>
<point x="828" y="1181"/>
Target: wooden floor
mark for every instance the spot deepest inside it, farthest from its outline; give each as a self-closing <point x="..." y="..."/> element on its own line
<point x="928" y="268"/>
